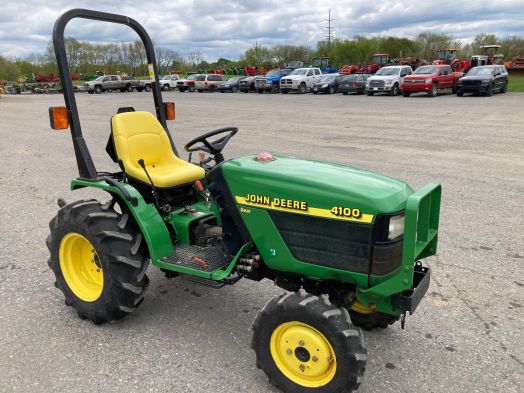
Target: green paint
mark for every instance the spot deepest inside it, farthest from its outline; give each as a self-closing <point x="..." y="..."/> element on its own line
<point x="146" y="216"/>
<point x="181" y="220"/>
<point x="420" y="241"/>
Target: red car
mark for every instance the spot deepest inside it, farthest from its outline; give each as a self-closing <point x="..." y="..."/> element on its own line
<point x="430" y="79"/>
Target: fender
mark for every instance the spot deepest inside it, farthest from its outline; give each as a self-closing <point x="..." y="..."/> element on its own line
<point x="151" y="225"/>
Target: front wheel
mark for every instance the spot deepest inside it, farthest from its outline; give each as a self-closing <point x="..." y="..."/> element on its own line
<point x="489" y="92"/>
<point x="147" y="88"/>
<point x="99" y="260"/>
<point x="434" y="90"/>
<point x="305" y="344"/>
<point x="165" y="87"/>
<point x="394" y="90"/>
<point x="302" y="88"/>
<point x="98" y="89"/>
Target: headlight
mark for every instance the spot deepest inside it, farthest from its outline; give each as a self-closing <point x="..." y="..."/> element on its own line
<point x="396" y="227"/>
<point x="325" y="85"/>
<point x="389" y="81"/>
<point x="427" y="81"/>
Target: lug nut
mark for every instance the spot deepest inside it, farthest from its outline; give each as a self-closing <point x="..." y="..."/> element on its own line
<point x="302" y="367"/>
<point x="301" y="343"/>
<point x="289" y="351"/>
<point x="315" y="359"/>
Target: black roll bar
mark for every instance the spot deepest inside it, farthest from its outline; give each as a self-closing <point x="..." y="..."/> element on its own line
<point x="86" y="167"/>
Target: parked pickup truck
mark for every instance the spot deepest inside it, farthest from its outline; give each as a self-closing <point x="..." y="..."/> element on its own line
<point x="388" y="80"/>
<point x="270" y="81"/>
<point x="110" y="82"/>
<point x="430" y="79"/>
<point x="300" y="80"/>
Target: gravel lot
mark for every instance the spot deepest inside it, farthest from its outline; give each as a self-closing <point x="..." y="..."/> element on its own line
<point x="466" y="336"/>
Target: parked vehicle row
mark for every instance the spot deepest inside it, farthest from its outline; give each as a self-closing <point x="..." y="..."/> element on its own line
<point x="392" y="80"/>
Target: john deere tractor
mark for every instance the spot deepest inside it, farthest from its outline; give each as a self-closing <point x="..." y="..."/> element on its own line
<point x="345" y="244"/>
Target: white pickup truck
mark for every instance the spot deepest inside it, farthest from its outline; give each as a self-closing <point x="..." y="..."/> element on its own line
<point x="387" y="80"/>
<point x="300" y="80"/>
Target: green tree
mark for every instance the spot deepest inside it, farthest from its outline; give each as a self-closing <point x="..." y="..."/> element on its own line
<point x="8" y="70"/>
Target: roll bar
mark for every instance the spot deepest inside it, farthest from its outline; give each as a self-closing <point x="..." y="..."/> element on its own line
<point x="85" y="163"/>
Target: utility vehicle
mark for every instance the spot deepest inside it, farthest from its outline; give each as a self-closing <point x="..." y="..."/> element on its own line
<point x="343" y="242"/>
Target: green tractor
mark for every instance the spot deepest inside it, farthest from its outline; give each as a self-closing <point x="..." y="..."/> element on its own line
<point x="344" y="243"/>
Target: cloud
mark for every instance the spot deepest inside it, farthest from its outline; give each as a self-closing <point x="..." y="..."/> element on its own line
<point x="226" y="28"/>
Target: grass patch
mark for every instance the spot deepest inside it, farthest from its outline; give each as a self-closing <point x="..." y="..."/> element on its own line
<point x="516" y="84"/>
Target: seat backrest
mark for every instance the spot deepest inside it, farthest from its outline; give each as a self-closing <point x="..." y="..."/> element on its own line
<point x="139" y="135"/>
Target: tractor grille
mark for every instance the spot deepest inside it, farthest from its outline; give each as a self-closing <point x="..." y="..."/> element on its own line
<point x="467" y="82"/>
<point x="376" y="83"/>
<point x="331" y="243"/>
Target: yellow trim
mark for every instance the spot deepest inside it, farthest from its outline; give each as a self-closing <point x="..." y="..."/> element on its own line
<point x="311" y="211"/>
<point x="80" y="267"/>
<point x="318" y="364"/>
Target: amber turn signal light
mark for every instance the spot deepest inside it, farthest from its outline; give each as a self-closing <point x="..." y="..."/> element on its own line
<point x="169" y="108"/>
<point x="58" y="118"/>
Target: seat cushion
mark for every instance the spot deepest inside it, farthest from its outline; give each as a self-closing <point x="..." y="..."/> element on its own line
<point x="139" y="135"/>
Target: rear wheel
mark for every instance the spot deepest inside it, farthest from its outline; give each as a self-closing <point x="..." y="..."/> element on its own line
<point x="460" y="92"/>
<point x="129" y="88"/>
<point x="147" y="87"/>
<point x="99" y="260"/>
<point x="305" y="344"/>
<point x="504" y="87"/>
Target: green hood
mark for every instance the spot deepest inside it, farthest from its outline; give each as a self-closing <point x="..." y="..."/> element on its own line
<point x="320" y="184"/>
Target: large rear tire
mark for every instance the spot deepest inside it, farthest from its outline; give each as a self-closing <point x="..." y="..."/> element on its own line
<point x="99" y="260"/>
<point x="305" y="344"/>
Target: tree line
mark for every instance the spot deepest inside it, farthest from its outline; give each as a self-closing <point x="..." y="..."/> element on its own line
<point x="86" y="58"/>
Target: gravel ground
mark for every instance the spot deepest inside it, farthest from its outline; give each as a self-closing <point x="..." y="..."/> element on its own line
<point x="466" y="336"/>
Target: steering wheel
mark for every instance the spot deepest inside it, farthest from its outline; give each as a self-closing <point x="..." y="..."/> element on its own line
<point x="212" y="147"/>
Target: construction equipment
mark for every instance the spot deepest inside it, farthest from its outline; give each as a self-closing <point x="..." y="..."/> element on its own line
<point x="344" y="242"/>
<point x="449" y="57"/>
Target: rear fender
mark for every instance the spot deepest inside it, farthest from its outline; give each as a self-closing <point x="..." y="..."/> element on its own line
<point x="151" y="224"/>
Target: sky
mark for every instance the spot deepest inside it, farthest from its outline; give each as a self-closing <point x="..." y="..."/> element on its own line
<point x="226" y="28"/>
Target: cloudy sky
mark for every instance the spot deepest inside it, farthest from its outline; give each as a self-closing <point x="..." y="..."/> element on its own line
<point x="225" y="28"/>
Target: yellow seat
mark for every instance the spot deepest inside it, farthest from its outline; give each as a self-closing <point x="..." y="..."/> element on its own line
<point x="139" y="135"/>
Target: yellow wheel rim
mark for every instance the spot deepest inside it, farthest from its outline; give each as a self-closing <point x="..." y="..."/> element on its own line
<point x="81" y="267"/>
<point x="361" y="309"/>
<point x="303" y="354"/>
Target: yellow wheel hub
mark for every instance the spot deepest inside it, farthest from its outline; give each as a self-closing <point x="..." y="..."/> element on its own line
<point x="361" y="309"/>
<point x="303" y="354"/>
<point x="81" y="267"/>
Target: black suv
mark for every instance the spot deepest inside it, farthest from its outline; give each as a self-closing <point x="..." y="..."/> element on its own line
<point x="484" y="79"/>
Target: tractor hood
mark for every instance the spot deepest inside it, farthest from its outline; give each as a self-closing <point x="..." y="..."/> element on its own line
<point x="305" y="184"/>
